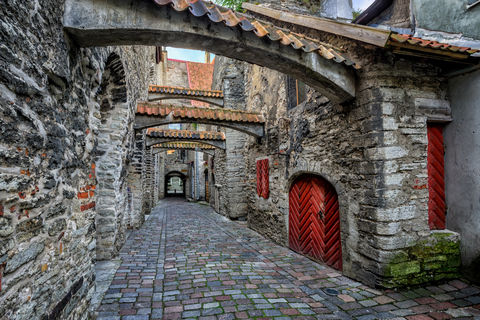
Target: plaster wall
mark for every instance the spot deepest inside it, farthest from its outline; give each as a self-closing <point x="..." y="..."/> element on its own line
<point x="461" y="25"/>
<point x="462" y="176"/>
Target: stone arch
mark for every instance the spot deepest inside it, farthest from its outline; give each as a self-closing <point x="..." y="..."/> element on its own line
<point x="342" y="202"/>
<point x="171" y="174"/>
<point x="112" y="142"/>
<point x="201" y="26"/>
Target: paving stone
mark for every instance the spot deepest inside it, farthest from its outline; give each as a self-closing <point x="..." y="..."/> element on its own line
<point x="194" y="268"/>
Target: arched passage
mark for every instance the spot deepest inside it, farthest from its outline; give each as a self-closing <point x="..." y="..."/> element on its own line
<point x="175" y="184"/>
<point x="314" y="220"/>
<point x="111" y="159"/>
<point x="203" y="26"/>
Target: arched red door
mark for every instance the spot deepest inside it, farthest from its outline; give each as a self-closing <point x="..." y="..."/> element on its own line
<point x="314" y="220"/>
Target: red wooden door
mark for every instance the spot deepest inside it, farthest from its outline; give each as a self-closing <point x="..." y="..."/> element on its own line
<point x="436" y="177"/>
<point x="314" y="220"/>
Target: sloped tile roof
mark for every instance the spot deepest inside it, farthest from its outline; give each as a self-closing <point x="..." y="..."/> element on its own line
<point x="185" y="91"/>
<point x="156" y="109"/>
<point x="185" y="134"/>
<point x="183" y="145"/>
<point x="218" y="14"/>
<point x="413" y="42"/>
<point x="200" y="76"/>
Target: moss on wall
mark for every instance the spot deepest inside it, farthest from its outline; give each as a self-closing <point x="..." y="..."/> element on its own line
<point x="432" y="259"/>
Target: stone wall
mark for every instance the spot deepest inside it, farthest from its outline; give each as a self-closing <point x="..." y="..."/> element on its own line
<point x="373" y="151"/>
<point x="52" y="126"/>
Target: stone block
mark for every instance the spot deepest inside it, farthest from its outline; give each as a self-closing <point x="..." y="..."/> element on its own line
<point x="57" y="226"/>
<point x="6" y="227"/>
<point x="30" y="224"/>
<point x="24" y="256"/>
<point x="403" y="269"/>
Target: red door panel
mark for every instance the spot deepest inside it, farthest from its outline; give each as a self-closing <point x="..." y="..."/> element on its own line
<point x="314" y="220"/>
<point x="436" y="177"/>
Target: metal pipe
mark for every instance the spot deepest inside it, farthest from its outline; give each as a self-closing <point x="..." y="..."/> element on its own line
<point x="196" y="173"/>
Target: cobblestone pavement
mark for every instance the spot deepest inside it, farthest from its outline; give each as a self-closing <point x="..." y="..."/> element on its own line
<point x="188" y="262"/>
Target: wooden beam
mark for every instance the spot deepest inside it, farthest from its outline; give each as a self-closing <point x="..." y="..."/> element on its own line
<point x="375" y="36"/>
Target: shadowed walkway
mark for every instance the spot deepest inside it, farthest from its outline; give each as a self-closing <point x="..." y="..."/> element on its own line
<point x="189" y="262"/>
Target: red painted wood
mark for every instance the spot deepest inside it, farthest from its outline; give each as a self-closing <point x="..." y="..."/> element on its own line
<point x="262" y="178"/>
<point x="313" y="234"/>
<point x="436" y="177"/>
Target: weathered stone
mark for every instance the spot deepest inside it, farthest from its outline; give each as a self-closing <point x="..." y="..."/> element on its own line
<point x="57" y="226"/>
<point x="56" y="210"/>
<point x="6" y="227"/>
<point x="6" y="245"/>
<point x="24" y="256"/>
<point x="30" y="224"/>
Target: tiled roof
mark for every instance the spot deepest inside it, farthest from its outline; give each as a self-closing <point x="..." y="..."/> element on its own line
<point x="157" y="109"/>
<point x="200" y="76"/>
<point x="185" y="91"/>
<point x="218" y="14"/>
<point x="417" y="43"/>
<point x="183" y="145"/>
<point x="185" y="134"/>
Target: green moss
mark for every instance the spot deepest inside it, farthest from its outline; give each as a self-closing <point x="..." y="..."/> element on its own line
<point x="432" y="259"/>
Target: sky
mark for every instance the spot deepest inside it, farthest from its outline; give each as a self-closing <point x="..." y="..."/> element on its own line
<point x="362" y="4"/>
<point x="199" y="56"/>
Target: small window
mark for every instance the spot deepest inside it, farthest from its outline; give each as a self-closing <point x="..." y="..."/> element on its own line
<point x="296" y="92"/>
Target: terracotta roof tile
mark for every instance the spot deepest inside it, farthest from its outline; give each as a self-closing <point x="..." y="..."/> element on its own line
<point x="218" y="14"/>
<point x="185" y="91"/>
<point x="156" y="109"/>
<point x="413" y="42"/>
<point x="183" y="145"/>
<point x="185" y="134"/>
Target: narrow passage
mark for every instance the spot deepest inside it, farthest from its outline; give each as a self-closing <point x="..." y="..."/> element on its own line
<point x="187" y="262"/>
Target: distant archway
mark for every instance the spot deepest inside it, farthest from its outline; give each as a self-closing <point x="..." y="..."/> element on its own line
<point x="175" y="184"/>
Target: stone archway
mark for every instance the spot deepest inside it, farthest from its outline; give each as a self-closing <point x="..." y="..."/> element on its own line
<point x="111" y="159"/>
<point x="172" y="188"/>
<point x="204" y="26"/>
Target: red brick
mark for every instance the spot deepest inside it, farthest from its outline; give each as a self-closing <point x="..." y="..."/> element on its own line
<point x="172" y="316"/>
<point x="222" y="298"/>
<point x="290" y="312"/>
<point x="458" y="284"/>
<point x="173" y="309"/>
<point x="443" y="305"/>
<point x="82" y="195"/>
<point x="425" y="300"/>
<point x="419" y="317"/>
<point x="125" y="312"/>
<point x="241" y="315"/>
<point x="439" y="315"/>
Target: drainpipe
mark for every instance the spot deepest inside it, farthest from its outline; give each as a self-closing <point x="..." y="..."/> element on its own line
<point x="196" y="173"/>
<point x="372" y="11"/>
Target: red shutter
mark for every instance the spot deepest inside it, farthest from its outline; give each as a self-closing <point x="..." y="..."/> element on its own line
<point x="262" y="178"/>
<point x="436" y="177"/>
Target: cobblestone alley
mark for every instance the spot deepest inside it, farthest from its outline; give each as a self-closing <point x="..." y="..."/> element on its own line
<point x="188" y="262"/>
